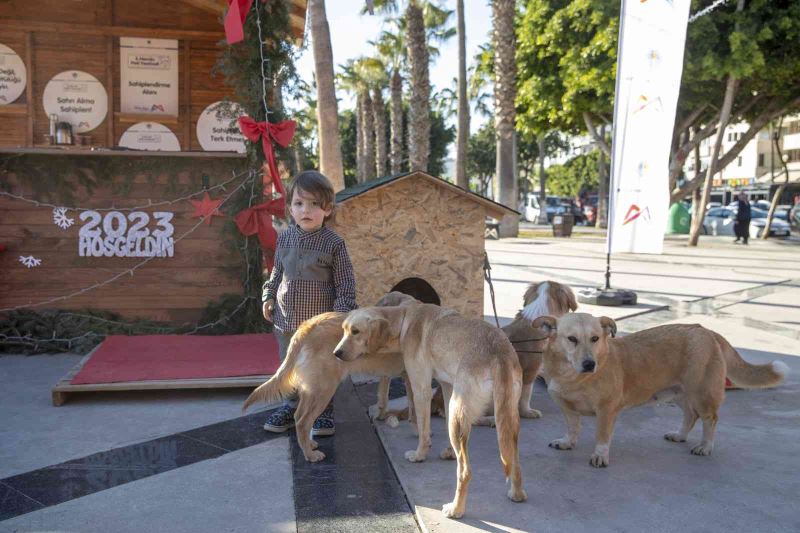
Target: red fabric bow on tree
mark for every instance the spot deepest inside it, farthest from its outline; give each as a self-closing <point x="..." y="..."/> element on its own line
<point x="257" y="220"/>
<point x="234" y="19"/>
<point x="281" y="133"/>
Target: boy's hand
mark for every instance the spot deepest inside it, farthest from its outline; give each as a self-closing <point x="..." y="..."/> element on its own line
<point x="267" y="310"/>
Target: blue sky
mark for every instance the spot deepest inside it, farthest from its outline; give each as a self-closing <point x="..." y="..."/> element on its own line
<point x="350" y="33"/>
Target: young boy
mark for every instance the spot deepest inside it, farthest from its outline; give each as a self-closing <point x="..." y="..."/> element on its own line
<point x="312" y="275"/>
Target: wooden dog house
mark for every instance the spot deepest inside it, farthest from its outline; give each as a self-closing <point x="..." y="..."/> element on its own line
<point x="419" y="234"/>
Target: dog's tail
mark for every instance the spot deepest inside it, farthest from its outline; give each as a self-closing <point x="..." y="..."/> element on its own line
<point x="749" y="376"/>
<point x="506" y="390"/>
<point x="284" y="382"/>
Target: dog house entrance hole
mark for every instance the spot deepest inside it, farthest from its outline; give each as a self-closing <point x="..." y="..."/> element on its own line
<point x="419" y="289"/>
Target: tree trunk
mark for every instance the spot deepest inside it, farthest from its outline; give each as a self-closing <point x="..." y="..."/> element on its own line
<point x="359" y="138"/>
<point x="503" y="12"/>
<point x="379" y="114"/>
<point x="724" y="117"/>
<point x="396" y="113"/>
<point x="330" y="150"/>
<point x="779" y="191"/>
<point x="697" y="208"/>
<point x="462" y="134"/>
<point x="369" y="137"/>
<point x="603" y="187"/>
<point x="419" y="120"/>
<point x="542" y="182"/>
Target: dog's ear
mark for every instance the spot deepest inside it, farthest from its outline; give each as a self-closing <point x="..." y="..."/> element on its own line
<point x="609" y="326"/>
<point x="547" y="324"/>
<point x="378" y="333"/>
<point x="572" y="303"/>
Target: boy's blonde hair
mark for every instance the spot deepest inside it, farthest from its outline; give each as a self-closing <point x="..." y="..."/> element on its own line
<point x="316" y="184"/>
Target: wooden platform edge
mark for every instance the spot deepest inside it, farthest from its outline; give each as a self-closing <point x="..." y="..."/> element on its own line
<point x="63" y="388"/>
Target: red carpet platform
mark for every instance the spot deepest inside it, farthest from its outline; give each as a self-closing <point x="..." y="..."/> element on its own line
<point x="160" y="362"/>
<point x="170" y="357"/>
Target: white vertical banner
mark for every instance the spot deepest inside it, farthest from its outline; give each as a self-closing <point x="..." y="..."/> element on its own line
<point x="649" y="65"/>
<point x="148" y="75"/>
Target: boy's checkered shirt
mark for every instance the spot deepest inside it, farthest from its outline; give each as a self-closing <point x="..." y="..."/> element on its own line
<point x="298" y="299"/>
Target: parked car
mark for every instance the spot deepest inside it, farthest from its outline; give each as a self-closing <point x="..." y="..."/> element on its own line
<point x="720" y="221"/>
<point x="574" y="209"/>
<point x="794" y="217"/>
<point x="554" y="207"/>
<point x="530" y="209"/>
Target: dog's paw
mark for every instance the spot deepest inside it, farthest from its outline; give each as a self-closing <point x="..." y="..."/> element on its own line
<point x="703" y="449"/>
<point x="561" y="444"/>
<point x="450" y="510"/>
<point x="599" y="460"/>
<point x="517" y="495"/>
<point x="675" y="437"/>
<point x="415" y="457"/>
<point x="315" y="456"/>
<point x="392" y="421"/>
<point x="487" y="421"/>
<point x="447" y="453"/>
<point x="530" y="413"/>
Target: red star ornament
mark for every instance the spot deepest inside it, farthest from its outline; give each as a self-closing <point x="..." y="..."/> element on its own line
<point x="206" y="208"/>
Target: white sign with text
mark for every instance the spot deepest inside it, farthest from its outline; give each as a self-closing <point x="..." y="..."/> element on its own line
<point x="117" y="235"/>
<point x="78" y="98"/>
<point x="12" y="75"/>
<point x="218" y="130"/>
<point x="148" y="75"/>
<point x="150" y="136"/>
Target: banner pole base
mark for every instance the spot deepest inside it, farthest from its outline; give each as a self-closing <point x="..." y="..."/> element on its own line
<point x="607" y="296"/>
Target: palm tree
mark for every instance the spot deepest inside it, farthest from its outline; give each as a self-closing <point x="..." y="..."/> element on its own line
<point x="351" y="81"/>
<point x="391" y="50"/>
<point x="504" y="40"/>
<point x="462" y="134"/>
<point x="330" y="152"/>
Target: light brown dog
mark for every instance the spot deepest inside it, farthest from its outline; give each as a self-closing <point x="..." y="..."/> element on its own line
<point x="591" y="373"/>
<point x="540" y="299"/>
<point x="475" y="364"/>
<point x="311" y="371"/>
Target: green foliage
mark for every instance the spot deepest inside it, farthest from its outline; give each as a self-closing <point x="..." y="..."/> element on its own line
<point x="566" y="58"/>
<point x="441" y="137"/>
<point x="348" y="137"/>
<point x="579" y="173"/>
<point x="482" y="157"/>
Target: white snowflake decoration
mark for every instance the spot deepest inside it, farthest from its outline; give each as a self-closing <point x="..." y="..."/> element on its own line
<point x="60" y="218"/>
<point x="30" y="261"/>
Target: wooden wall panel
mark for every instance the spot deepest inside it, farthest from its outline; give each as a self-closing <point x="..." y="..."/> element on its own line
<point x="72" y="11"/>
<point x="174" y="289"/>
<point x="160" y="14"/>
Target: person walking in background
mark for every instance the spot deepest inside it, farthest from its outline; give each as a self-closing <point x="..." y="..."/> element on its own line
<point x="742" y="225"/>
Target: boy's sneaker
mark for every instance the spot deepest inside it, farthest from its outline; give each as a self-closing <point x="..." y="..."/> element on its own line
<point x="323" y="426"/>
<point x="280" y="420"/>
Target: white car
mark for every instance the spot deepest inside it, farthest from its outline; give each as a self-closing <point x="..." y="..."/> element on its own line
<point x="720" y="221"/>
<point x="530" y="210"/>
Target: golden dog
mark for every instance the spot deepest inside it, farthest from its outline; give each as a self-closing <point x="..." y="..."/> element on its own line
<point x="540" y="299"/>
<point x="311" y="370"/>
<point x="473" y="361"/>
<point x="591" y="373"/>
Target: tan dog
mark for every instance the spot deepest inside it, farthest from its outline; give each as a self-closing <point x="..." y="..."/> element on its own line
<point x="540" y="299"/>
<point x="593" y="374"/>
<point x="311" y="370"/>
<point x="548" y="298"/>
<point x="473" y="361"/>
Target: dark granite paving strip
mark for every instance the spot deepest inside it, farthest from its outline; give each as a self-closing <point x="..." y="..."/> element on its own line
<point x="355" y="488"/>
<point x="73" y="479"/>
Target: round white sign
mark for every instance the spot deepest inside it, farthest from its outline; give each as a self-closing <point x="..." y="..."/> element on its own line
<point x="78" y="98"/>
<point x="218" y="130"/>
<point x="12" y="75"/>
<point x="150" y="136"/>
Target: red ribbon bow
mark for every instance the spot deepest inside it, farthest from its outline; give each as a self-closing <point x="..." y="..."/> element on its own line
<point x="256" y="221"/>
<point x="281" y="133"/>
<point x="234" y="19"/>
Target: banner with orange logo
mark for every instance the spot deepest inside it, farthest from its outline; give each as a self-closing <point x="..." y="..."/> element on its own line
<point x="650" y="62"/>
